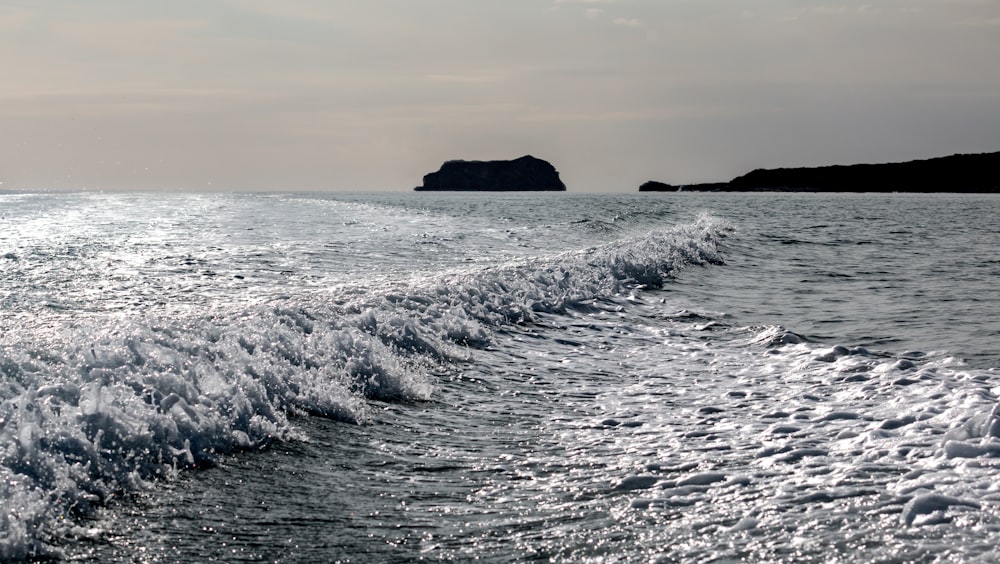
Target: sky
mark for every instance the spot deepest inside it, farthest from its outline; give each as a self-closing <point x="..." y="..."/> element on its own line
<point x="364" y="96"/>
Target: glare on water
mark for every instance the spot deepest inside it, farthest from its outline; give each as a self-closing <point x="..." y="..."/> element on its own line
<point x="672" y="378"/>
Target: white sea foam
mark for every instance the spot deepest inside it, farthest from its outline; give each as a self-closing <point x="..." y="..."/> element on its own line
<point x="108" y="404"/>
<point x="577" y="413"/>
<point x="741" y="440"/>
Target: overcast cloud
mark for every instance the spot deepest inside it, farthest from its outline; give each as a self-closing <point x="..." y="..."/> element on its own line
<point x="332" y="95"/>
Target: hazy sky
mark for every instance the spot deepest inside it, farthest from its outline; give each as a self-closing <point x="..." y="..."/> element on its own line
<point x="373" y="94"/>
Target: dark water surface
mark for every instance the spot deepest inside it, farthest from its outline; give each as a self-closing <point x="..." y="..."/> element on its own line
<point x="672" y="377"/>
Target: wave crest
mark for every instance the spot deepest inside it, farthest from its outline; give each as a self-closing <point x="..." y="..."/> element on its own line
<point x="104" y="408"/>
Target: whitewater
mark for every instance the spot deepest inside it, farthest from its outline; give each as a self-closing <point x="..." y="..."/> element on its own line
<point x="505" y="377"/>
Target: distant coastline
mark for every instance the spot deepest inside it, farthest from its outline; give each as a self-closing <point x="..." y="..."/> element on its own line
<point x="967" y="173"/>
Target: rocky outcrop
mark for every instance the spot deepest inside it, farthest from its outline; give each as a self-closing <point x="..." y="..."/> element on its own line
<point x="654" y="186"/>
<point x="976" y="173"/>
<point x="519" y="175"/>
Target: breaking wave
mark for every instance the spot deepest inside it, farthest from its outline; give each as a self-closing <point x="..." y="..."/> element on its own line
<point x="110" y="406"/>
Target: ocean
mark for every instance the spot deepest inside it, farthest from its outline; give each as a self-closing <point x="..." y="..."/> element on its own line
<point x="672" y="377"/>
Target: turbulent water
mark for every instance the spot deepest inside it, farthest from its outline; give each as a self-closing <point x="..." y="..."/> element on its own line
<point x="654" y="377"/>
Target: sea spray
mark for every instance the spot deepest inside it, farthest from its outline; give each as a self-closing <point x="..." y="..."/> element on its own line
<point x="113" y="402"/>
<point x="809" y="400"/>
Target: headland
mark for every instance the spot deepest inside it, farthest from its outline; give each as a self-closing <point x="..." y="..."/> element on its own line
<point x="970" y="173"/>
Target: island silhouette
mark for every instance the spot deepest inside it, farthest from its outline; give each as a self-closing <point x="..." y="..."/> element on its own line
<point x="524" y="174"/>
<point x="971" y="173"/>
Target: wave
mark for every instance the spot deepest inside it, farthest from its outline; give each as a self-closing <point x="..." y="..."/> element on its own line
<point x="106" y="407"/>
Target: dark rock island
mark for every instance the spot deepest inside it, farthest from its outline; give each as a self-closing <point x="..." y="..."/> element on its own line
<point x="973" y="173"/>
<point x="519" y="175"/>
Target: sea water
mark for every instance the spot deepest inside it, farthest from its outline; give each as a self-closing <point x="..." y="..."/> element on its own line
<point x="502" y="377"/>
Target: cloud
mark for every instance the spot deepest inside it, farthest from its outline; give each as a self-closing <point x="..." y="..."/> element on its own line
<point x="137" y="38"/>
<point x="319" y="89"/>
<point x="627" y="22"/>
<point x="472" y="77"/>
<point x="595" y="13"/>
<point x="11" y="20"/>
<point x="983" y="22"/>
<point x="288" y="9"/>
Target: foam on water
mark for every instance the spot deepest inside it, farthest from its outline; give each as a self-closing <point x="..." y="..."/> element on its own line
<point x="779" y="439"/>
<point x="109" y="403"/>
<point x="586" y="404"/>
<point x="718" y="442"/>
